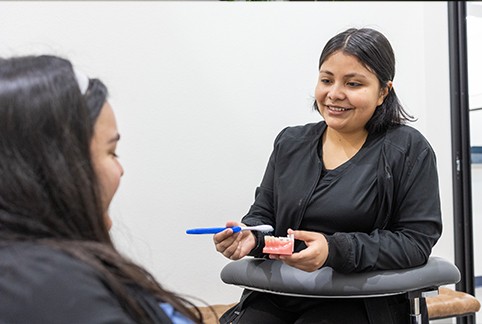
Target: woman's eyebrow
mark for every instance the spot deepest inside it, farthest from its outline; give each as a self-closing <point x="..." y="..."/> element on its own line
<point x="326" y="72"/>
<point x="355" y="75"/>
<point x="349" y="75"/>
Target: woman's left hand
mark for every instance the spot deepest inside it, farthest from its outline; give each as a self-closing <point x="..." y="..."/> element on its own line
<point x="310" y="259"/>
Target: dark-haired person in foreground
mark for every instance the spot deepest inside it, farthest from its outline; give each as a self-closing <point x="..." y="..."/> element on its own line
<point x="58" y="174"/>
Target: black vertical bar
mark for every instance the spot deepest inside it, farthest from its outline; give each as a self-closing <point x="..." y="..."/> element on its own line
<point x="461" y="164"/>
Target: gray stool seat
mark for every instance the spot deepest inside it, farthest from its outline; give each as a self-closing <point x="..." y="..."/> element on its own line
<point x="273" y="276"/>
<point x="277" y="277"/>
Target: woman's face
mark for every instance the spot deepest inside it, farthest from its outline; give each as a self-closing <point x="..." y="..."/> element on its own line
<point x="347" y="93"/>
<point x="106" y="164"/>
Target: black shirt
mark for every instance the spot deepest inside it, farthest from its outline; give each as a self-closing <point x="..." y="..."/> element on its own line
<point x="345" y="198"/>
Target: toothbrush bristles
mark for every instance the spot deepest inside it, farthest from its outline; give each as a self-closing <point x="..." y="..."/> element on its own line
<point x="261" y="228"/>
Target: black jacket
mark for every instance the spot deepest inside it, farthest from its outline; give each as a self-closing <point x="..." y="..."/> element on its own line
<point x="41" y="285"/>
<point x="408" y="222"/>
<point x="405" y="228"/>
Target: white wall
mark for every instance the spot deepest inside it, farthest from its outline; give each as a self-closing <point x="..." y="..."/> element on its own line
<point x="201" y="89"/>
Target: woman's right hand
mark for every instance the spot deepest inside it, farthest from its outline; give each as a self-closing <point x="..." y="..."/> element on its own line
<point x="234" y="246"/>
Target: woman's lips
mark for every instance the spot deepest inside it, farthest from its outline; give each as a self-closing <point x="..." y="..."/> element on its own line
<point x="337" y="110"/>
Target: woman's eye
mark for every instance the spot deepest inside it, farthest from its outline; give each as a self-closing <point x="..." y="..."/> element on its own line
<point x="353" y="84"/>
<point x="325" y="81"/>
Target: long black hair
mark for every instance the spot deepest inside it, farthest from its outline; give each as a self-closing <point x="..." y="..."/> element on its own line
<point x="374" y="51"/>
<point x="49" y="192"/>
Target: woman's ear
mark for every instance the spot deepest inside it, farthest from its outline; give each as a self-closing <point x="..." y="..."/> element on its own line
<point x="384" y="92"/>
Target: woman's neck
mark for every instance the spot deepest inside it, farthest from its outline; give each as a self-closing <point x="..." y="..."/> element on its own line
<point x="346" y="140"/>
<point x="341" y="147"/>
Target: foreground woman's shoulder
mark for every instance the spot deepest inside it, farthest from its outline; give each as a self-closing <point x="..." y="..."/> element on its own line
<point x="44" y="285"/>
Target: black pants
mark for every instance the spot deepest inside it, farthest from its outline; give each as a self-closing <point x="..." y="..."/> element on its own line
<point x="264" y="308"/>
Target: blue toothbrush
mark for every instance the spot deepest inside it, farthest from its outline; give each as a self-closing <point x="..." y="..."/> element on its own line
<point x="214" y="230"/>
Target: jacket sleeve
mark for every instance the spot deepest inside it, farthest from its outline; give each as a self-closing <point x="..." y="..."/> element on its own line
<point x="262" y="211"/>
<point x="412" y="224"/>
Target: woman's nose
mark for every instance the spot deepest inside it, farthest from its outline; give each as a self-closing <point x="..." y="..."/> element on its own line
<point x="336" y="92"/>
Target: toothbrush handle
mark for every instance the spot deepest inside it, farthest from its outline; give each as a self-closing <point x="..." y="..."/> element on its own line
<point x="211" y="230"/>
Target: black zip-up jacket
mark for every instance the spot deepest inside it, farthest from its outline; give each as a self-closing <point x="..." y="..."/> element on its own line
<point x="408" y="222"/>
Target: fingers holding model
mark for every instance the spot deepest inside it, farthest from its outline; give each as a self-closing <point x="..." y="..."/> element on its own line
<point x="311" y="258"/>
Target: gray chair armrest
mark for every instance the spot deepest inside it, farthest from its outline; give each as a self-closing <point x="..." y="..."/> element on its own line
<point x="276" y="277"/>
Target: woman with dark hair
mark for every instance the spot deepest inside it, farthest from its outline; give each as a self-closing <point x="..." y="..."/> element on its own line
<point x="58" y="174"/>
<point x="358" y="191"/>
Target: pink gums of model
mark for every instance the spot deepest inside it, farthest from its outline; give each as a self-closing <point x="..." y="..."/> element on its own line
<point x="279" y="245"/>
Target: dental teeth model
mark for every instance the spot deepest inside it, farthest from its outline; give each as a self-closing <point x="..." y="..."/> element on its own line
<point x="279" y="245"/>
